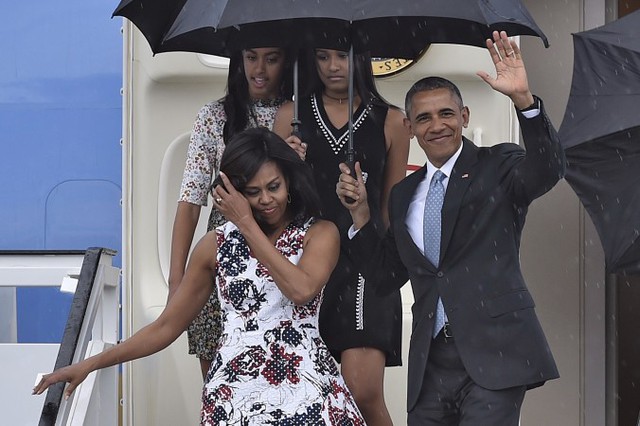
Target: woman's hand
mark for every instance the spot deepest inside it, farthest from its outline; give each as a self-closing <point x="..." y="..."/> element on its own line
<point x="231" y="203"/>
<point x="298" y="146"/>
<point x="73" y="374"/>
<point x="355" y="189"/>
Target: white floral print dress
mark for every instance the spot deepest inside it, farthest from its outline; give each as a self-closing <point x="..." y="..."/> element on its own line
<point x="272" y="366"/>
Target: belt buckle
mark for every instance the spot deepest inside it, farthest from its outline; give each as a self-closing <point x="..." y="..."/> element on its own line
<point x="446" y="330"/>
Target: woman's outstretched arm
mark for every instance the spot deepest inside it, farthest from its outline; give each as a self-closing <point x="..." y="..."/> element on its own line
<point x="183" y="307"/>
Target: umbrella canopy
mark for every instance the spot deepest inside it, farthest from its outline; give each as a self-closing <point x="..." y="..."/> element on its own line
<point x="601" y="136"/>
<point x="605" y="87"/>
<point x="154" y="18"/>
<point x="399" y="28"/>
<point x="605" y="174"/>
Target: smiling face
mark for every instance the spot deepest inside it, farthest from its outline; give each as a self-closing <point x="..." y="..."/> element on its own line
<point x="267" y="193"/>
<point x="263" y="68"/>
<point x="333" y="70"/>
<point x="436" y="118"/>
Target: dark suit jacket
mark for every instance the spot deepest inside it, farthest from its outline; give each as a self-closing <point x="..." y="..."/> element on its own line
<point x="491" y="312"/>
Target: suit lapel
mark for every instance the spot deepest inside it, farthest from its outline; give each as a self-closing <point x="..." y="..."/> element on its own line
<point x="405" y="191"/>
<point x="406" y="188"/>
<point x="458" y="183"/>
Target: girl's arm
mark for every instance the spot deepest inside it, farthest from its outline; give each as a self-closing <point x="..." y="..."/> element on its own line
<point x="201" y="164"/>
<point x="184" y="226"/>
<point x="397" y="141"/>
<point x="282" y="122"/>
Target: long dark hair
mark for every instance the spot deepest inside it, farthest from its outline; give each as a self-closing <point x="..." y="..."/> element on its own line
<point x="237" y="102"/>
<point x="248" y="150"/>
<point x="363" y="79"/>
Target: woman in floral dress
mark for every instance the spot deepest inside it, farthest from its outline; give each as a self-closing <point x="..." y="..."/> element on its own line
<point x="257" y="84"/>
<point x="268" y="265"/>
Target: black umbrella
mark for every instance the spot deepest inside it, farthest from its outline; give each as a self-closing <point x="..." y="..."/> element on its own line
<point x="601" y="136"/>
<point x="397" y="28"/>
<point x="400" y="28"/>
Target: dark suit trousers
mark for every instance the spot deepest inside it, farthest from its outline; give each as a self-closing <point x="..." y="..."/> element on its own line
<point x="450" y="397"/>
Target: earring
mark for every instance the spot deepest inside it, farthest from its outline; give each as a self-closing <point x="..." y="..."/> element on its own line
<point x="288" y="198"/>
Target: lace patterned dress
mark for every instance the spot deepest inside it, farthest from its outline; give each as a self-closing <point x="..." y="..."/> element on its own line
<point x="203" y="162"/>
<point x="272" y="366"/>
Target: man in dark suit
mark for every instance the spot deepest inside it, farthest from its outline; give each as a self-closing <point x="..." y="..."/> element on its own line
<point x="476" y="343"/>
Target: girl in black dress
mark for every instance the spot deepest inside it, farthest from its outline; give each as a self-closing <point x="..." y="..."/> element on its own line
<point x="362" y="330"/>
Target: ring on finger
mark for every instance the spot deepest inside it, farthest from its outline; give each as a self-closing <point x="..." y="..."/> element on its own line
<point x="511" y="53"/>
<point x="218" y="200"/>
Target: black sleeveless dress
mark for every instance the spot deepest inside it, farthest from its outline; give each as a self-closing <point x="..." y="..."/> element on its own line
<point x="351" y="315"/>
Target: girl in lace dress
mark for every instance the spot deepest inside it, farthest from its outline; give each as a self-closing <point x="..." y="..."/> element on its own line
<point x="268" y="264"/>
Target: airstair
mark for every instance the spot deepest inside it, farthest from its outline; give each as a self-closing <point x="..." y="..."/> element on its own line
<point x="92" y="326"/>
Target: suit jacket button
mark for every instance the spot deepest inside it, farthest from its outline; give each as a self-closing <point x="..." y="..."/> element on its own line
<point x="430" y="315"/>
<point x="440" y="274"/>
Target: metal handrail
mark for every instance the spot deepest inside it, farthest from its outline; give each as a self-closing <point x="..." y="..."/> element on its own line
<point x="94" y="316"/>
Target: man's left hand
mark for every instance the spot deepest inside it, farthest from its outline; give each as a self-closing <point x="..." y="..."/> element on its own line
<point x="511" y="75"/>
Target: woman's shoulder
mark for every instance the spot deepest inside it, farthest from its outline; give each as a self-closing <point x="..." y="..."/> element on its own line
<point x="323" y="235"/>
<point x="207" y="244"/>
<point x="394" y="121"/>
<point x="317" y="225"/>
<point x="395" y="114"/>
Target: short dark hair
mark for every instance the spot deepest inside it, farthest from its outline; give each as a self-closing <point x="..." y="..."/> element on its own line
<point x="431" y="83"/>
<point x="248" y="150"/>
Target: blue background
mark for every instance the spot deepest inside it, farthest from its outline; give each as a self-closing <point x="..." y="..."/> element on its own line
<point x="60" y="130"/>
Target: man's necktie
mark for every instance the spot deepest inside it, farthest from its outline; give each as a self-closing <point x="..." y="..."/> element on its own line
<point x="432" y="228"/>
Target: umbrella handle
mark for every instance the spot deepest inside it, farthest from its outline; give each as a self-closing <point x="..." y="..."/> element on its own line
<point x="295" y="124"/>
<point x="351" y="163"/>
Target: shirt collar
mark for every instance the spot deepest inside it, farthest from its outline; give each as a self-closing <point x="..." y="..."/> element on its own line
<point x="447" y="168"/>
